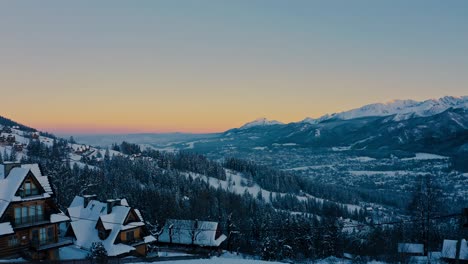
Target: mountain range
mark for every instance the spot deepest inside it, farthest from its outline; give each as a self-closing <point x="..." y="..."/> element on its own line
<point x="437" y="126"/>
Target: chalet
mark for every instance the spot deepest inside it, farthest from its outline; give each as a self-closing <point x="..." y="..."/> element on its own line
<point x="35" y="135"/>
<point x="411" y="249"/>
<point x="192" y="233"/>
<point x="11" y="139"/>
<point x="29" y="217"/>
<point x="114" y="223"/>
<point x="18" y="147"/>
<point x="455" y="251"/>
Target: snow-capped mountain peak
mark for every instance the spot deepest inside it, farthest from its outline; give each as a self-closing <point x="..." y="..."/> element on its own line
<point x="402" y="109"/>
<point x="260" y="122"/>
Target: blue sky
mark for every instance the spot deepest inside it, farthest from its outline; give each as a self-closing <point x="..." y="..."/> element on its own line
<point x="203" y="66"/>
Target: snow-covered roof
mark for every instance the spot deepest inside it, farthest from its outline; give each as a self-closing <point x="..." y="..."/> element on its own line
<point x="10" y="185"/>
<point x="181" y="232"/>
<point x="84" y="221"/>
<point x="449" y="249"/>
<point x="2" y="171"/>
<point x="6" y="229"/>
<point x="57" y="218"/>
<point x="410" y="248"/>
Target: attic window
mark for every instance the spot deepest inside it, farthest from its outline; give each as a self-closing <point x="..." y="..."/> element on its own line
<point x="103" y="209"/>
<point x="92" y="206"/>
<point x="30" y="188"/>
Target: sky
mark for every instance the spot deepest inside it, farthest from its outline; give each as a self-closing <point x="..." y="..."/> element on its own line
<point x="208" y="65"/>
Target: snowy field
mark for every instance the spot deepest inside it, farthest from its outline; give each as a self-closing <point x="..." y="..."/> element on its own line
<point x="215" y="260"/>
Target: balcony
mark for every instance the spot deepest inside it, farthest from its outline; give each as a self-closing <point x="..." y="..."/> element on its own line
<point x="40" y="245"/>
<point x="30" y="221"/>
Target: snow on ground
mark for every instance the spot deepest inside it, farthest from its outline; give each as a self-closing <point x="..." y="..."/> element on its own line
<point x="341" y="148"/>
<point x="72" y="252"/>
<point x="425" y="156"/>
<point x="12" y="260"/>
<point x="216" y="260"/>
<point x="236" y="186"/>
<point x="260" y="148"/>
<point x="361" y="159"/>
<point x="190" y="145"/>
<point x="315" y="167"/>
<point x="285" y="144"/>
<point x="162" y="253"/>
<point x="386" y="173"/>
<point x="7" y="150"/>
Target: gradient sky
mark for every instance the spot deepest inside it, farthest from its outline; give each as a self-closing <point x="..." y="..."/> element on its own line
<point x="205" y="66"/>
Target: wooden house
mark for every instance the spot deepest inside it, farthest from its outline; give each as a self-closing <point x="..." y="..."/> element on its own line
<point x="119" y="227"/>
<point x="191" y="234"/>
<point x="29" y="217"/>
<point x="10" y="139"/>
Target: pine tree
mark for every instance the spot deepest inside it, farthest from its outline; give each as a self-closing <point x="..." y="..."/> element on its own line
<point x="98" y="252"/>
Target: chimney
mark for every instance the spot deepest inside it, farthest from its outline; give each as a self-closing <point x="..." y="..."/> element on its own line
<point x="8" y="166"/>
<point x="88" y="198"/>
<point x="110" y="204"/>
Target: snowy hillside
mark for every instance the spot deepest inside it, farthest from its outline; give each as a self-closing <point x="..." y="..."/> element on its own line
<point x="403" y="109"/>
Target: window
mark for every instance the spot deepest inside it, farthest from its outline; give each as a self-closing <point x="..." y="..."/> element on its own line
<point x="18" y="215"/>
<point x="40" y="215"/>
<point x="130" y="236"/>
<point x="42" y="235"/>
<point x="29" y="188"/>
<point x="50" y="234"/>
<point x="13" y="241"/>
<point x="29" y="214"/>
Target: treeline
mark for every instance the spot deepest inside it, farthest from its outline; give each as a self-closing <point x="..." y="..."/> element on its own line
<point x="10" y="123"/>
<point x="268" y="178"/>
<point x="127" y="148"/>
<point x="187" y="161"/>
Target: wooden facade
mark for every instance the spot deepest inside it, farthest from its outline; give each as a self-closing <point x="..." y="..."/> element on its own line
<point x="35" y="235"/>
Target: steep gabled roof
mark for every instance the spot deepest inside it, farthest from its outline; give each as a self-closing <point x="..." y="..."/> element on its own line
<point x="6" y="229"/>
<point x="10" y="185"/>
<point x="182" y="231"/>
<point x="84" y="220"/>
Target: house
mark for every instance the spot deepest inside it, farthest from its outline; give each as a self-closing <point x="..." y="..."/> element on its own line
<point x="453" y="250"/>
<point x="192" y="233"/>
<point x="29" y="217"/>
<point x="411" y="249"/>
<point x="119" y="227"/>
<point x="18" y="147"/>
<point x="11" y="139"/>
<point x="35" y="135"/>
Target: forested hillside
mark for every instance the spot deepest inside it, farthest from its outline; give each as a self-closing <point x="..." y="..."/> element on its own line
<point x="297" y="220"/>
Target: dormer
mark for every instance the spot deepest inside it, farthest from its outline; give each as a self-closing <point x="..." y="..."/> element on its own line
<point x="131" y="217"/>
<point x="103" y="233"/>
<point x="29" y="187"/>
